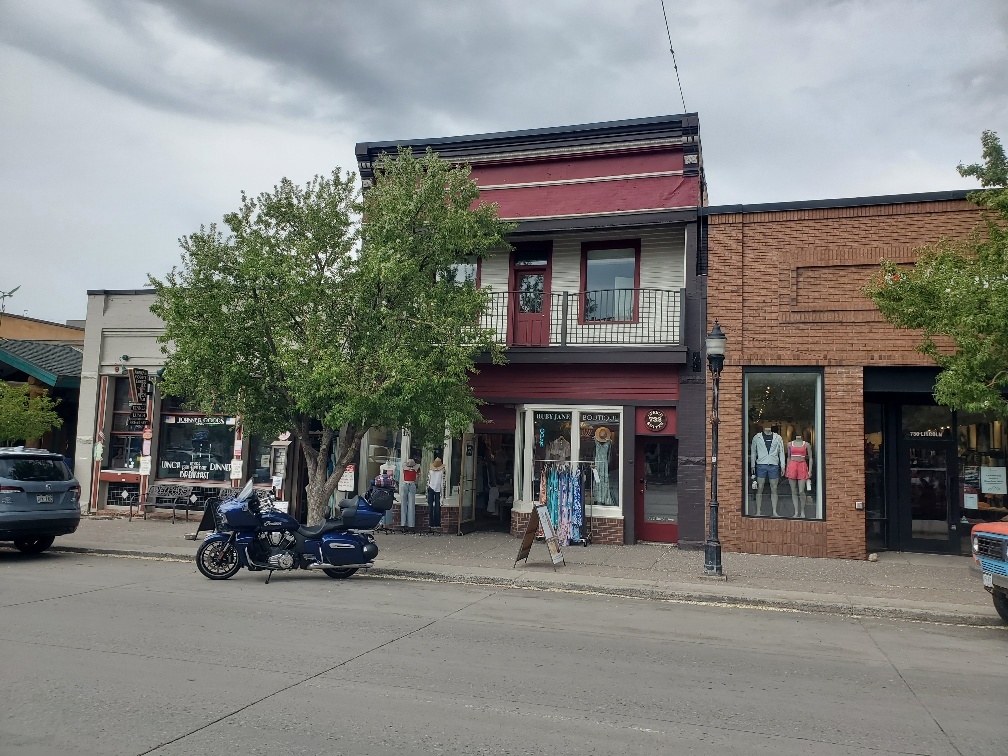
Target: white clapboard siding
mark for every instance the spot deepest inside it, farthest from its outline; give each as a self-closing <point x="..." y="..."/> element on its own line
<point x="662" y="268"/>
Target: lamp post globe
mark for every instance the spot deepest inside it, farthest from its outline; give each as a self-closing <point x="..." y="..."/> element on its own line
<point x="715" y="344"/>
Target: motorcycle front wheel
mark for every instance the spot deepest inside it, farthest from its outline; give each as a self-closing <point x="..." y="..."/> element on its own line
<point x="217" y="560"/>
<point x="340" y="574"/>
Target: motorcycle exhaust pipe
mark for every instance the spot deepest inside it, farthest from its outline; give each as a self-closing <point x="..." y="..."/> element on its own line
<point x="325" y="566"/>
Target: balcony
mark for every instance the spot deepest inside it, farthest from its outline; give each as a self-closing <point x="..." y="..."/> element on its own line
<point x="608" y="318"/>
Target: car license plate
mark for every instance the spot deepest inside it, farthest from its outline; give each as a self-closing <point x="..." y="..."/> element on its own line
<point x="988" y="580"/>
<point x="44" y="498"/>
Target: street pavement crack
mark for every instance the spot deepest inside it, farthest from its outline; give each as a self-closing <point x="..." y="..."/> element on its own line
<point x="910" y="688"/>
<point x="318" y="674"/>
<point x="69" y="595"/>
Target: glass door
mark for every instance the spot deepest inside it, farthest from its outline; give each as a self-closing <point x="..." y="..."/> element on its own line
<point x="925" y="496"/>
<point x="656" y="495"/>
<point x="467" y="485"/>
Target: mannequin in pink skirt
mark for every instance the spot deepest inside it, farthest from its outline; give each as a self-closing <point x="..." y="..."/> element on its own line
<point x="799" y="453"/>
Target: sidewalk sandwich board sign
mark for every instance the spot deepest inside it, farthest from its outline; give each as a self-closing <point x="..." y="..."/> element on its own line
<point x="540" y="518"/>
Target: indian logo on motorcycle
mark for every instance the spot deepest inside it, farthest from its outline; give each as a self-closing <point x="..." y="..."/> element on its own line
<point x="250" y="533"/>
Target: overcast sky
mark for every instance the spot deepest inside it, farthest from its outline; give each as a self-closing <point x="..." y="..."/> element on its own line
<point x="126" y="124"/>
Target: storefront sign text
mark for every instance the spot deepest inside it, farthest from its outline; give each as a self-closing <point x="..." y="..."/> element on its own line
<point x="194" y="470"/>
<point x="199" y="420"/>
<point x="993" y="480"/>
<point x="600" y="418"/>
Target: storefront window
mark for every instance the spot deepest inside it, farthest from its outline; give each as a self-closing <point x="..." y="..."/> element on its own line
<point x="196" y="447"/>
<point x="260" y="449"/>
<point x="983" y="492"/>
<point x="424" y="457"/>
<point x="599" y="454"/>
<point x="384" y="449"/>
<point x="783" y="439"/>
<point x="926" y="421"/>
<point x="551" y="443"/>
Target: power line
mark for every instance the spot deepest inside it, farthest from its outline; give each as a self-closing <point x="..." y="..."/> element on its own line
<point x="674" y="65"/>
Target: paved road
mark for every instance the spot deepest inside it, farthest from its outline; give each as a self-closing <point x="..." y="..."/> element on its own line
<point x="102" y="655"/>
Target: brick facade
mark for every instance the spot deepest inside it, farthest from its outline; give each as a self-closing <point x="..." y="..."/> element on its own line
<point x="606" y="531"/>
<point x="785" y="286"/>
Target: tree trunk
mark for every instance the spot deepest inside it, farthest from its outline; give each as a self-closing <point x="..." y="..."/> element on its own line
<point x="322" y="485"/>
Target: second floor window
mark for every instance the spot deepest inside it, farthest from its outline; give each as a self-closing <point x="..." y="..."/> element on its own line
<point x="610" y="281"/>
<point x="467" y="272"/>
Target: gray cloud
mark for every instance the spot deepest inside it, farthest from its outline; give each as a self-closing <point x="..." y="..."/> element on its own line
<point x="136" y="121"/>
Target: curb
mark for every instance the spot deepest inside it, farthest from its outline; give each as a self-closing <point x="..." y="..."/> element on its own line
<point x="852" y="609"/>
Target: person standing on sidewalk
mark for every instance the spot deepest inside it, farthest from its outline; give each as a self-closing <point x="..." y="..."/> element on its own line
<point x="408" y="494"/>
<point x="435" y="487"/>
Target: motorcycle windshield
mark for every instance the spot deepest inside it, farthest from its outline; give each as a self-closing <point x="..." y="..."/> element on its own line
<point x="245" y="492"/>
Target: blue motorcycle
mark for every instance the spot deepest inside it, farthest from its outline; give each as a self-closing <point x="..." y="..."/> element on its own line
<point x="249" y="532"/>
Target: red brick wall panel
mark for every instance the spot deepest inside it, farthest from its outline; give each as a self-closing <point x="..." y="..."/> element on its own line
<point x="786" y="288"/>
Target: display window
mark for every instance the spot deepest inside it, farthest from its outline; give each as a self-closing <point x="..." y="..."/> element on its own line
<point x="783" y="424"/>
<point x="983" y="482"/>
<point x="260" y="451"/>
<point x="598" y="452"/>
<point x="196" y="447"/>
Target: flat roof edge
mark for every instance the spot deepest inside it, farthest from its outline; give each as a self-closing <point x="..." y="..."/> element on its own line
<point x="883" y="199"/>
<point x="362" y="148"/>
<point x="101" y="292"/>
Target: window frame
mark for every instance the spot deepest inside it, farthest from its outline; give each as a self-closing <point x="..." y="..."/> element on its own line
<point x="597" y="246"/>
<point x="479" y="268"/>
<point x="819" y="449"/>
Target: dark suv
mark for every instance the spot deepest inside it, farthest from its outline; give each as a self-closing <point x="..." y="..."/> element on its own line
<point x="39" y="498"/>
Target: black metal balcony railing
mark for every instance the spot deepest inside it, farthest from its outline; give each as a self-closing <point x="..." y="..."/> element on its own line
<point x="610" y="317"/>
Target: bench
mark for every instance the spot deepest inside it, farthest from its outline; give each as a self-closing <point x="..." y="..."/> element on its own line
<point x="171" y="495"/>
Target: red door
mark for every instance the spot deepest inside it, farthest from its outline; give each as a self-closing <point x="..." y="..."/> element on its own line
<point x="529" y="303"/>
<point x="656" y="499"/>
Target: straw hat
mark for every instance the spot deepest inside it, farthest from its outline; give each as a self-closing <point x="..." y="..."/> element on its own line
<point x="437" y="464"/>
<point x="603" y="435"/>
<point x="411" y="465"/>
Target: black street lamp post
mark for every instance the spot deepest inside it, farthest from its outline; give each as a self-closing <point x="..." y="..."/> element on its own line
<point x="715" y="361"/>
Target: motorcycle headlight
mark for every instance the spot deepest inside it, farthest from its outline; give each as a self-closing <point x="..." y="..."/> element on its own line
<point x="976" y="544"/>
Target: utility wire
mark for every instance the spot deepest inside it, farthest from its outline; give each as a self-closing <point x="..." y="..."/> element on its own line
<point x="676" y="67"/>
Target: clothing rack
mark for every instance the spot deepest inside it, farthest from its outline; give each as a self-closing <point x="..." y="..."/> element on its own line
<point x="578" y="469"/>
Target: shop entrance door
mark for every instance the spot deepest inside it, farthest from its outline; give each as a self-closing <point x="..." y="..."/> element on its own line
<point x="467" y="485"/>
<point x="926" y="477"/>
<point x="656" y="496"/>
<point x="529" y="305"/>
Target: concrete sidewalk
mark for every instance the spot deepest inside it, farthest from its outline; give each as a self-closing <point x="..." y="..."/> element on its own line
<point x="902" y="586"/>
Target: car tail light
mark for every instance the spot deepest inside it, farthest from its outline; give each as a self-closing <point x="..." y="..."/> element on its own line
<point x="11" y="489"/>
<point x="75" y="493"/>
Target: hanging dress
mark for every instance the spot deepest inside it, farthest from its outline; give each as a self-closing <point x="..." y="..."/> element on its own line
<point x="564" y="526"/>
<point x="603" y="496"/>
<point x="577" y="507"/>
<point x="552" y="498"/>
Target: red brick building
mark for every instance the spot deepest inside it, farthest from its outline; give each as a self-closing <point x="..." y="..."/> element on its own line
<point x="816" y="377"/>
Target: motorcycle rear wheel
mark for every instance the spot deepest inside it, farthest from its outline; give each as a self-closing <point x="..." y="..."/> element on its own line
<point x="341" y="573"/>
<point x="217" y="560"/>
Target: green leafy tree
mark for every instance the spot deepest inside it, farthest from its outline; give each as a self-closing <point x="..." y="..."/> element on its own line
<point x="24" y="415"/>
<point x="304" y="318"/>
<point x="957" y="296"/>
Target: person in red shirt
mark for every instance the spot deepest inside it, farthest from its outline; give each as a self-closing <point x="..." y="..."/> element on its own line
<point x="407" y="498"/>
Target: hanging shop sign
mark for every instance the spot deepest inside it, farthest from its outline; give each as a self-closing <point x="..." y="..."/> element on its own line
<point x="539" y="518"/>
<point x="656" y="420"/>
<point x="138" y="378"/>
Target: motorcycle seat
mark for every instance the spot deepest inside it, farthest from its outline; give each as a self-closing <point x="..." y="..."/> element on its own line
<point x="329" y="526"/>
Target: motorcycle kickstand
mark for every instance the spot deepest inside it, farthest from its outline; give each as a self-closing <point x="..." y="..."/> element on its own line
<point x="269" y="576"/>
